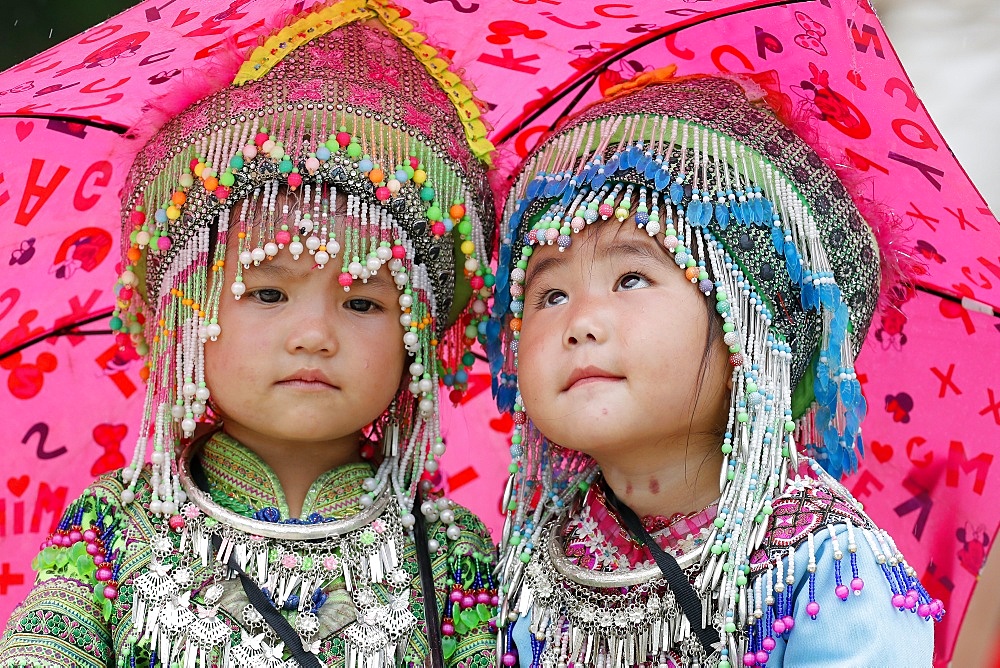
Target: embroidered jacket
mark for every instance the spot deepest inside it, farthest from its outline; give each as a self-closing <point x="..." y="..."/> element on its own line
<point x="829" y="587"/>
<point x="71" y="618"/>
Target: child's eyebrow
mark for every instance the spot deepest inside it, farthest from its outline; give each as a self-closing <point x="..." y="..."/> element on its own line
<point x="628" y="251"/>
<point x="542" y="267"/>
<point x="275" y="271"/>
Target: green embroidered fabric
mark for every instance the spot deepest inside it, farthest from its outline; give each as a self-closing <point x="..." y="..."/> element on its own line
<point x="66" y="620"/>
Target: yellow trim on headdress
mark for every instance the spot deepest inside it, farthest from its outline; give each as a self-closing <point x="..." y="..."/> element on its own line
<point x="318" y="23"/>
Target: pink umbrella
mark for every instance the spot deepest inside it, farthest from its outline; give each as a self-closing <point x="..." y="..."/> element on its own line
<point x="68" y="111"/>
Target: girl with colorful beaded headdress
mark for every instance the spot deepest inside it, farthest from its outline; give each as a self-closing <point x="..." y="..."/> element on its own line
<point x="684" y="284"/>
<point x="305" y="253"/>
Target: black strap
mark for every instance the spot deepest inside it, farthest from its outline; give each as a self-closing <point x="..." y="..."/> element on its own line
<point x="431" y="615"/>
<point x="684" y="593"/>
<point x="257" y="598"/>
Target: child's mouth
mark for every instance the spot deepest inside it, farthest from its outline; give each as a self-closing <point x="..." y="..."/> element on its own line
<point x="589" y="375"/>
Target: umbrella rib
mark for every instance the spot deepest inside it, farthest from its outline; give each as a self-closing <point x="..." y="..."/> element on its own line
<point x="965" y="302"/>
<point x="65" y="330"/>
<point x="89" y="122"/>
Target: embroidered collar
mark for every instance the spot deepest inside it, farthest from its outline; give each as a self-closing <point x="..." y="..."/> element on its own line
<point x="595" y="537"/>
<point x="239" y="475"/>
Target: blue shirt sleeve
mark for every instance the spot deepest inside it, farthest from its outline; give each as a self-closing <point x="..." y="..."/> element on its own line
<point x="864" y="630"/>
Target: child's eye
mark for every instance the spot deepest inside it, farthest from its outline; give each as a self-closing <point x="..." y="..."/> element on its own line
<point x="633" y="281"/>
<point x="267" y="295"/>
<point x="550" y="298"/>
<point x="359" y="305"/>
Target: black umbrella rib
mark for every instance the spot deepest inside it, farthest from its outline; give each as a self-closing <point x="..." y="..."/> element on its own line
<point x="89" y="122"/>
<point x="961" y="301"/>
<point x="65" y="330"/>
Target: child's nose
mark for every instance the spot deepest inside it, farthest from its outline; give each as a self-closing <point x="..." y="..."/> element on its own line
<point x="588" y="322"/>
<point x="314" y="331"/>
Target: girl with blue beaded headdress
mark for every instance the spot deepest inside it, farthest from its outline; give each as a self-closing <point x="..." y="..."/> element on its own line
<point x="683" y="287"/>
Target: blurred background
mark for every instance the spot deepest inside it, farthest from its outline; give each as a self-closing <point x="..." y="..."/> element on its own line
<point x="951" y="51"/>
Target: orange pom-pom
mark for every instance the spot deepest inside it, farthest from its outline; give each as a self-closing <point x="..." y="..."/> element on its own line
<point x="457" y="211"/>
<point x="692" y="273"/>
<point x="376" y="175"/>
<point x="515" y="324"/>
<point x="211" y="183"/>
<point x="178" y="198"/>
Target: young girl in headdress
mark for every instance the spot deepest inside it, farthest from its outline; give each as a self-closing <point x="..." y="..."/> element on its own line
<point x="290" y="275"/>
<point x="684" y="286"/>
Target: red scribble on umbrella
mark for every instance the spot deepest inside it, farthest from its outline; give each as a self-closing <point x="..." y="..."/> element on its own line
<point x="975" y="544"/>
<point x="462" y="478"/>
<point x="899" y="406"/>
<point x="115" y="361"/>
<point x="85" y="249"/>
<point x="109" y="437"/>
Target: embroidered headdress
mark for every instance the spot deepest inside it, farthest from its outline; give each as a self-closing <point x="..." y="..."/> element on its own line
<point x="766" y="230"/>
<point x="328" y="107"/>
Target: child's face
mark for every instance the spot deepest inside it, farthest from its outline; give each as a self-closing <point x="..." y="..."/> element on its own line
<point x="611" y="347"/>
<point x="300" y="360"/>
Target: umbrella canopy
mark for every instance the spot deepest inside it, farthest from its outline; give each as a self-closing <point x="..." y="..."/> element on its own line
<point x="76" y="114"/>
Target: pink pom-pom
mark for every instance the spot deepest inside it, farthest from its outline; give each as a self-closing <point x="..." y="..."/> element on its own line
<point x="93" y="548"/>
<point x="749" y="659"/>
<point x="509" y="660"/>
<point x="345" y="279"/>
<point x="899" y="601"/>
<point x="111" y="592"/>
<point x="762" y="657"/>
<point x="89" y="535"/>
<point x="477" y="282"/>
<point x="842" y="592"/>
<point x="448" y="629"/>
<point x="812" y="608"/>
<point x="382" y="193"/>
<point x="75" y="536"/>
<point x="857" y="584"/>
<point x="455" y="596"/>
<point x="283" y="236"/>
<point x="768" y="643"/>
<point x="164" y="243"/>
<point x="398" y="252"/>
<point x="260" y="138"/>
<point x="294" y="180"/>
<point x="789" y="622"/>
<point x="103" y="574"/>
<point x="438" y="229"/>
<point x="137" y="218"/>
<point x="343" y="139"/>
